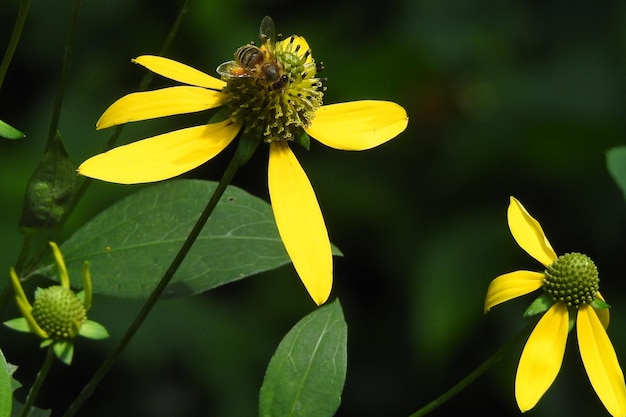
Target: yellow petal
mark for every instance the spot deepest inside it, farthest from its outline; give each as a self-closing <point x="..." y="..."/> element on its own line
<point x="512" y="285"/>
<point x="542" y="357"/>
<point x="528" y="233"/>
<point x="300" y="222"/>
<point x="603" y="313"/>
<point x="358" y="125"/>
<point x="158" y="103"/>
<point x="64" y="277"/>
<point x="600" y="361"/>
<point x="161" y="157"/>
<point x="298" y="41"/>
<point x="179" y="72"/>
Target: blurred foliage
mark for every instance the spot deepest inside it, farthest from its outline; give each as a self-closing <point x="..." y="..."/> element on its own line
<point x="505" y="98"/>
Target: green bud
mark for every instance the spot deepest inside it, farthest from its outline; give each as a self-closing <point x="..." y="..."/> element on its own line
<point x="50" y="188"/>
<point x="59" y="312"/>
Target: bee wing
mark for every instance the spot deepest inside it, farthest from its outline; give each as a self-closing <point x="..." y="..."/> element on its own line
<point x="267" y="33"/>
<point x="231" y="69"/>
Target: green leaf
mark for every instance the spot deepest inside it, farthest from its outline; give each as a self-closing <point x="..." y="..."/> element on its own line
<point x="540" y="305"/>
<point x="9" y="132"/>
<point x="305" y="377"/>
<point x="93" y="330"/>
<point x="6" y="389"/>
<point x="130" y="244"/>
<point x="64" y="350"/>
<point x="616" y="164"/>
<point x="20" y="324"/>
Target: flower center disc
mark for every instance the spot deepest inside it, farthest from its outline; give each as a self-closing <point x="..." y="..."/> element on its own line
<point x="58" y="312"/>
<point x="573" y="279"/>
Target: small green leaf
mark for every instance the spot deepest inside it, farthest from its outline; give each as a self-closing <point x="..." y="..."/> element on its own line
<point x="6" y="389"/>
<point x="616" y="164"/>
<point x="93" y="330"/>
<point x="9" y="132"/>
<point x="305" y="377"/>
<point x="50" y="188"/>
<point x="130" y="244"/>
<point x="599" y="304"/>
<point x="20" y="324"/>
<point x="540" y="305"/>
<point x="64" y="350"/>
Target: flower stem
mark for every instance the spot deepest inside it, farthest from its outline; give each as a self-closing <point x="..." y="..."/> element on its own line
<point x="41" y="376"/>
<point x="462" y="384"/>
<point x="15" y="38"/>
<point x="246" y="148"/>
<point x="67" y="59"/>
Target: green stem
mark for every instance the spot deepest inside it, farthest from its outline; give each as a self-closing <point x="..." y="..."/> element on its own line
<point x="462" y="384"/>
<point x="15" y="38"/>
<point x="41" y="376"/>
<point x="246" y="148"/>
<point x="67" y="59"/>
<point x="82" y="189"/>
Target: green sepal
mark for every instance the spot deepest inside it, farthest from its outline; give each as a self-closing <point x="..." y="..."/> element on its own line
<point x="50" y="188"/>
<point x="9" y="132"/>
<point x="599" y="304"/>
<point x="20" y="324"/>
<point x="304" y="140"/>
<point x="540" y="305"/>
<point x="45" y="343"/>
<point x="93" y="330"/>
<point x="64" y="350"/>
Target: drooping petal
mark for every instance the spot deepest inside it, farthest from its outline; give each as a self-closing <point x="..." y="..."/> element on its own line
<point x="161" y="157"/>
<point x="512" y="285"/>
<point x="528" y="233"/>
<point x="176" y="71"/>
<point x="603" y="313"/>
<point x="64" y="277"/>
<point x="358" y="125"/>
<point x="300" y="222"/>
<point x="158" y="103"/>
<point x="600" y="361"/>
<point x="542" y="357"/>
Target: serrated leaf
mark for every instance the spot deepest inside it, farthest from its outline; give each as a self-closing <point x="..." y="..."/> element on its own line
<point x="130" y="244"/>
<point x="616" y="164"/>
<point x="6" y="390"/>
<point x="9" y="132"/>
<point x="305" y="377"/>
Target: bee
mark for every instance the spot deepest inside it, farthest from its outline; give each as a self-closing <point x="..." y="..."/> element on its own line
<point x="258" y="63"/>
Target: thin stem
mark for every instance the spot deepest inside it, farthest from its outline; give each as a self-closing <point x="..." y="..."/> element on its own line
<point x="462" y="384"/>
<point x="41" y="376"/>
<point x="242" y="155"/>
<point x="15" y="38"/>
<point x="67" y="59"/>
<point x="82" y="189"/>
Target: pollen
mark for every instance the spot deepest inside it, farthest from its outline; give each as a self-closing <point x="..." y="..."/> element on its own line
<point x="59" y="312"/>
<point x="573" y="279"/>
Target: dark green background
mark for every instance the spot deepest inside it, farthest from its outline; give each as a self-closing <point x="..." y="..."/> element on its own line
<point x="505" y="98"/>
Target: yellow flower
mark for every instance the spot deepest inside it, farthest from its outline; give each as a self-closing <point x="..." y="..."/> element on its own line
<point x="571" y="294"/>
<point x="278" y="112"/>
